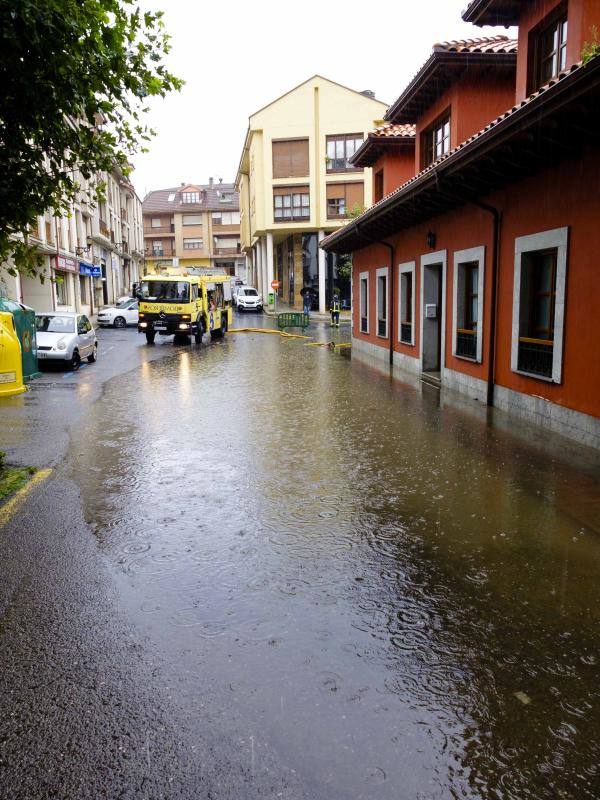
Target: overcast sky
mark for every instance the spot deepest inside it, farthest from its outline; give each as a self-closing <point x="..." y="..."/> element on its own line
<point x="238" y="56"/>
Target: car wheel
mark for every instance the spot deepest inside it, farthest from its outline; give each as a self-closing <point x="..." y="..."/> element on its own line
<point x="94" y="354"/>
<point x="75" y="361"/>
<point x="120" y="322"/>
<point x="150" y="337"/>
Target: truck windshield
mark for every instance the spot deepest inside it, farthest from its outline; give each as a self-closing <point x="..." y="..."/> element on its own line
<point x="165" y="291"/>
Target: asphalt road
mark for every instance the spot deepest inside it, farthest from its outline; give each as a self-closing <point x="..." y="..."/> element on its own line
<point x="85" y="708"/>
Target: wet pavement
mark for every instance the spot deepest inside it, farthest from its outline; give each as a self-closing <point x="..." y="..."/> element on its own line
<point x="285" y="575"/>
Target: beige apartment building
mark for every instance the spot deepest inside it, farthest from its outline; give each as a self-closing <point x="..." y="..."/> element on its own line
<point x="91" y="256"/>
<point x="193" y="225"/>
<point x="297" y="185"/>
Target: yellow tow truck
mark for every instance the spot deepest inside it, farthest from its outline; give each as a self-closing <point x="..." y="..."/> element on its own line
<point x="184" y="305"/>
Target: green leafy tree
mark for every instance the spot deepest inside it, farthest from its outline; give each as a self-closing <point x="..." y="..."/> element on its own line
<point x="75" y="78"/>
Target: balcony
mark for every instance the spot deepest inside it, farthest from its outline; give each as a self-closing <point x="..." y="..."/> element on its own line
<point x="227" y="251"/>
<point x="160" y="252"/>
<point x="535" y="356"/>
<point x="466" y="343"/>
<point x="160" y="230"/>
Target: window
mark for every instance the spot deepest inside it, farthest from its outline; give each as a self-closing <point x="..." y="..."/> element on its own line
<point x="62" y="291"/>
<point x="226" y="217"/>
<point x="191" y="219"/>
<point x="156" y="222"/>
<point x="468" y="303"/>
<point x="227" y="243"/>
<point x="290" y="158"/>
<point x="291" y="203"/>
<point x="190" y="197"/>
<point x="193" y="244"/>
<point x="342" y="197"/>
<point x="538" y="304"/>
<point x="378" y="186"/>
<point x="340" y="149"/>
<point x="227" y="198"/>
<point x="83" y="289"/>
<point x="435" y="142"/>
<point x="548" y="47"/>
<point x="382" y="302"/>
<point x="364" y="302"/>
<point x="157" y="248"/>
<point x="407" y="303"/>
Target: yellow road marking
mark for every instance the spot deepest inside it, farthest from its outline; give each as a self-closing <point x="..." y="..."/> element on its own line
<point x="9" y="509"/>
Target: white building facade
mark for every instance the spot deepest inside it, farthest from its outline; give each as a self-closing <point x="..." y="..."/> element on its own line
<point x="90" y="257"/>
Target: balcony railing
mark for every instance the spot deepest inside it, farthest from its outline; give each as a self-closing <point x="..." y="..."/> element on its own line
<point x="227" y="251"/>
<point x="148" y="231"/>
<point x="160" y="252"/>
<point x="406" y="332"/>
<point x="466" y="343"/>
<point x="535" y="356"/>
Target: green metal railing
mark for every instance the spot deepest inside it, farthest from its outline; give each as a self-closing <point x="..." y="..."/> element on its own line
<point x="292" y="320"/>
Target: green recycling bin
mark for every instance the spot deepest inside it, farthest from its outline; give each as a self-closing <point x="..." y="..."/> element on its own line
<point x="24" y="318"/>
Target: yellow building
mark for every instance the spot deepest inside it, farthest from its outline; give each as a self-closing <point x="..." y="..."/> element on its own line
<point x="193" y="225"/>
<point x="296" y="185"/>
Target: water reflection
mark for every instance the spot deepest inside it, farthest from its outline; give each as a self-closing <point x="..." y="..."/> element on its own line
<point x="400" y="597"/>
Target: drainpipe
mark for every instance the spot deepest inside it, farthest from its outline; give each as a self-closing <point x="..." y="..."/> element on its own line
<point x="497" y="222"/>
<point x="392" y="301"/>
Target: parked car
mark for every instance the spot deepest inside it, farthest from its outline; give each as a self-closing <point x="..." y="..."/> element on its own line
<point x="119" y="316"/>
<point x="248" y="299"/>
<point x="65" y="336"/>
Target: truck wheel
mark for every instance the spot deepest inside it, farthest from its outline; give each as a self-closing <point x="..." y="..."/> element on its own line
<point x="198" y="334"/>
<point x="150" y="337"/>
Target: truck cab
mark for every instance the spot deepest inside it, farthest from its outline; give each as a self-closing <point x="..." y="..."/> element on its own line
<point x="184" y="305"/>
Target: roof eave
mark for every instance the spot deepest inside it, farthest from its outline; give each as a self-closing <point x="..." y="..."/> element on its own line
<point x="372" y="148"/>
<point x="439" y="58"/>
<point x="480" y="12"/>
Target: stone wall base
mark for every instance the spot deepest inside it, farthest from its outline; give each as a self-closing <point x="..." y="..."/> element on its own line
<point x="574" y="425"/>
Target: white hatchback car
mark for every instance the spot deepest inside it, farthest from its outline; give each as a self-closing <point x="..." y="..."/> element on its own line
<point x="65" y="336"/>
<point x="248" y="299"/>
<point x="121" y="315"/>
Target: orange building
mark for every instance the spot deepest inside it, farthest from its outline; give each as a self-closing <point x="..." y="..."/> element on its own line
<point x="477" y="272"/>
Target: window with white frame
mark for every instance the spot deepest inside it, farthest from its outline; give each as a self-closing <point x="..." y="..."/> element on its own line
<point x="382" y="302"/>
<point x="156" y="222"/>
<point x="190" y="197"/>
<point x="226" y="217"/>
<point x="467" y="306"/>
<point x="406" y="317"/>
<point x="539" y="304"/>
<point x="364" y="302"/>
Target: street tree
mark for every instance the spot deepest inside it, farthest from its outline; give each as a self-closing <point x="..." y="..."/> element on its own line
<point x="75" y="80"/>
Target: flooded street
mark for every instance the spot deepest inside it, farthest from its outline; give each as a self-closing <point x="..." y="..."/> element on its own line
<point x="396" y="597"/>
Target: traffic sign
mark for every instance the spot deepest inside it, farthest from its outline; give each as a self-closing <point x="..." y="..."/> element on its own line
<point x="275" y="284"/>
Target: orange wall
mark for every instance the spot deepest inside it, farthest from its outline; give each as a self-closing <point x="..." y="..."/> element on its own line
<point x="565" y="195"/>
<point x="583" y="16"/>
<point x="474" y="101"/>
<point x="398" y="168"/>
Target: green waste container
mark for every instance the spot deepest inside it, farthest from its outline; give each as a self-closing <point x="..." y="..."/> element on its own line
<point x="24" y="318"/>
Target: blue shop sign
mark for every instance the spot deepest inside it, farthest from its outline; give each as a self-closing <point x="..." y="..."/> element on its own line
<point x="92" y="270"/>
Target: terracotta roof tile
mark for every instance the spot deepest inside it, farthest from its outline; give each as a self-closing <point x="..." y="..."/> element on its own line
<point x="389" y="129"/>
<point x="482" y="44"/>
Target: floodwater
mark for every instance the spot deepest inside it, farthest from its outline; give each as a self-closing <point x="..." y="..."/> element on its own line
<point x="399" y="597"/>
